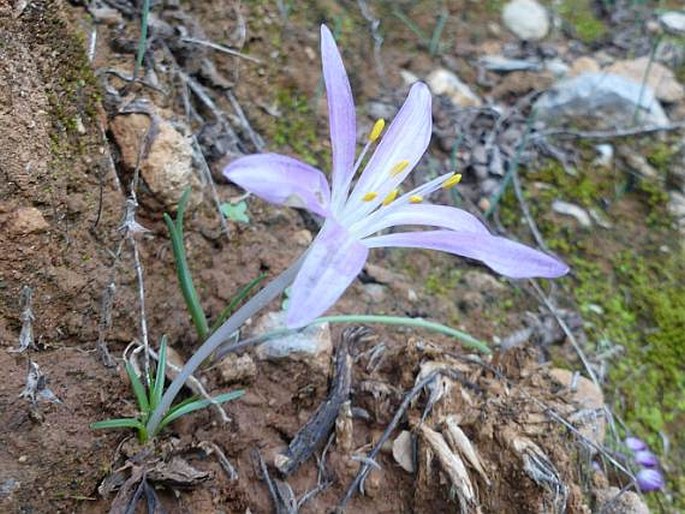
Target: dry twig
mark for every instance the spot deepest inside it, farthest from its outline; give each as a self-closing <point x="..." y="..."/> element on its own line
<point x="366" y="467"/>
<point x="569" y="333"/>
<point x="608" y="134"/>
<point x="320" y="424"/>
<point x="220" y="48"/>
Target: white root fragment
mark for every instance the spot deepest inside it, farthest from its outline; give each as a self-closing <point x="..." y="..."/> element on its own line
<point x="26" y="335"/>
<point x="539" y="468"/>
<point x="344" y="428"/>
<point x="455" y="469"/>
<point x="36" y="386"/>
<point x="459" y="442"/>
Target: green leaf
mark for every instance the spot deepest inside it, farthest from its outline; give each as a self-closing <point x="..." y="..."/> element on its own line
<point x="158" y="386"/>
<point x="186" y="408"/>
<point x="185" y="280"/>
<point x="142" y="41"/>
<point x="235" y="211"/>
<point x="138" y="390"/>
<point x="118" y="423"/>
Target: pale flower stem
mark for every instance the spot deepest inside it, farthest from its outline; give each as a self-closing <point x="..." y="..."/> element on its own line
<point x="466" y="339"/>
<point x="220" y="335"/>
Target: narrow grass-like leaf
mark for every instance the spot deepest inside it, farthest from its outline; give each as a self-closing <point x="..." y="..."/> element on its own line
<point x="185" y="280"/>
<point x="138" y="390"/>
<point x="118" y="423"/>
<point x="437" y="32"/>
<point x="183" y="409"/>
<point x="158" y="386"/>
<point x="142" y="42"/>
<point x="235" y="301"/>
<point x="411" y="26"/>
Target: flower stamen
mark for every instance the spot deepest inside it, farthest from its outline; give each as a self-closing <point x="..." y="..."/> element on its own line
<point x="370" y="196"/>
<point x="452" y="181"/>
<point x="415" y="199"/>
<point x="399" y="168"/>
<point x="376" y="130"/>
<point x="391" y="197"/>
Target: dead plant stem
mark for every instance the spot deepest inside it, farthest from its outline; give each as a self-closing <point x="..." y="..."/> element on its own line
<point x="574" y="342"/>
<point x="365" y="468"/>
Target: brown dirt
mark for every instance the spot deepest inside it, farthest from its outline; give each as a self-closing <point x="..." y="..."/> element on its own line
<point x="61" y="204"/>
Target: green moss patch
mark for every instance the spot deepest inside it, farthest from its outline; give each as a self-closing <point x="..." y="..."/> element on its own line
<point x="629" y="283"/>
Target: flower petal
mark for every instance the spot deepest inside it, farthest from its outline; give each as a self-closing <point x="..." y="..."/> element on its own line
<point x="506" y="257"/>
<point x="341" y="117"/>
<point x="650" y="480"/>
<point x="282" y="180"/>
<point x="405" y="140"/>
<point x="334" y="259"/>
<point x="441" y="216"/>
<point x="635" y="444"/>
<point x="646" y="458"/>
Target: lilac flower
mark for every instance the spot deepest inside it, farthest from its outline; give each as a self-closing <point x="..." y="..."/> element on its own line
<point x="650" y="480"/>
<point x="646" y="459"/>
<point x="635" y="445"/>
<point x="353" y="216"/>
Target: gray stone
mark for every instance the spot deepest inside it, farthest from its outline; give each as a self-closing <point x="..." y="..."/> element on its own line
<point x="673" y="22"/>
<point x="573" y="210"/>
<point x="604" y="100"/>
<point x="167" y="169"/>
<point x="377" y="110"/>
<point x="590" y="418"/>
<point x="106" y="15"/>
<point x="482" y="282"/>
<point x="557" y="67"/>
<point x="408" y="77"/>
<point x="584" y="64"/>
<point x="637" y="162"/>
<point x="27" y="220"/>
<point x="402" y="451"/>
<point x="237" y="368"/>
<point x="527" y="19"/>
<point x="489" y="186"/>
<point x="658" y="77"/>
<point x="375" y="293"/>
<point x="444" y="82"/>
<point x="504" y="64"/>
<point x="676" y="204"/>
<point x="312" y="344"/>
<point x="614" y="501"/>
<point x="670" y="53"/>
<point x="605" y="155"/>
<point x="8" y="486"/>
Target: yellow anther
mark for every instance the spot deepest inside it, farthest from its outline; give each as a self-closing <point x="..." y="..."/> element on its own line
<point x="399" y="168"/>
<point x="452" y="181"/>
<point x="368" y="197"/>
<point x="415" y="199"/>
<point x="377" y="129"/>
<point x="391" y="197"/>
